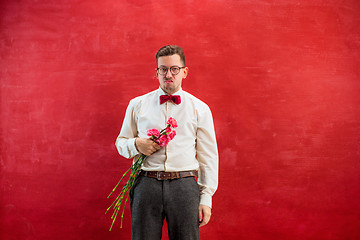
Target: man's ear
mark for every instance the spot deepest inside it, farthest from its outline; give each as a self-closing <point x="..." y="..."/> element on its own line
<point x="186" y="71"/>
<point x="156" y="74"/>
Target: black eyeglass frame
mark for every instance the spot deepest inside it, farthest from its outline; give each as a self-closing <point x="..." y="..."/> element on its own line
<point x="167" y="69"/>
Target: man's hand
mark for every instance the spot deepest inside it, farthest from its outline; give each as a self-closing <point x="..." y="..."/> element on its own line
<point x="146" y="146"/>
<point x="204" y="215"/>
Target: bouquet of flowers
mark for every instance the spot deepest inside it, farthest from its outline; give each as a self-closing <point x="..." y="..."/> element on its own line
<point x="162" y="138"/>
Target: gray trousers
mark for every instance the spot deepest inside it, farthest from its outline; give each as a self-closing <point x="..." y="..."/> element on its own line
<point x="177" y="201"/>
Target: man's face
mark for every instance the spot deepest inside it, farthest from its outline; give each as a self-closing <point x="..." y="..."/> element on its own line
<point x="169" y="82"/>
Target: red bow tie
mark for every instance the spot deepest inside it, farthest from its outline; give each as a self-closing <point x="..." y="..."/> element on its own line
<point x="175" y="98"/>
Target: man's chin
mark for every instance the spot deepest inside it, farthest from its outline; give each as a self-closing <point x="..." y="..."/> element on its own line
<point x="168" y="90"/>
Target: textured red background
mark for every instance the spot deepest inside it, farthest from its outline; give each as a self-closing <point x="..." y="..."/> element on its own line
<point x="281" y="77"/>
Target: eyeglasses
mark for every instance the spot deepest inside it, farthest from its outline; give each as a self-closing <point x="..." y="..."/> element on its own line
<point x="173" y="69"/>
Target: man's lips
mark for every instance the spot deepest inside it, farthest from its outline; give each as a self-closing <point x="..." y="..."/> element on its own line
<point x="168" y="81"/>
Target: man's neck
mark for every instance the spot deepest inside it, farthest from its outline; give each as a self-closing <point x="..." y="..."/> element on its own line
<point x="168" y="93"/>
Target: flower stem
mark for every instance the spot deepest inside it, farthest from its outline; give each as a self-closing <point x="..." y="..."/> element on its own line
<point x="117" y="203"/>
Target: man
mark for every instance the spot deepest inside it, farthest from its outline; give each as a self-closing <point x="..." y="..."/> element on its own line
<point x="166" y="187"/>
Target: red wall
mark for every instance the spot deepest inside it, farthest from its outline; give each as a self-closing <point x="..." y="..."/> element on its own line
<point x="281" y="77"/>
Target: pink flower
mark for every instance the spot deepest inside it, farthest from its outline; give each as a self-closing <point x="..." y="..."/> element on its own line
<point x="153" y="132"/>
<point x="168" y="129"/>
<point x="172" y="135"/>
<point x="163" y="140"/>
<point x="172" y="122"/>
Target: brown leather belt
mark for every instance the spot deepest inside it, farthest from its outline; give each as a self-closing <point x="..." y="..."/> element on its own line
<point x="161" y="175"/>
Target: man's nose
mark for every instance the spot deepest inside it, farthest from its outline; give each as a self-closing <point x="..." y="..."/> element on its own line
<point x="168" y="73"/>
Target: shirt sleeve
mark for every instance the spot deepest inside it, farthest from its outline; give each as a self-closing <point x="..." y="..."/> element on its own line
<point x="207" y="155"/>
<point x="125" y="142"/>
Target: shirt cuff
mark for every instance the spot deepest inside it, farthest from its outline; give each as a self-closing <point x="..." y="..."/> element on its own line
<point x="132" y="148"/>
<point x="206" y="199"/>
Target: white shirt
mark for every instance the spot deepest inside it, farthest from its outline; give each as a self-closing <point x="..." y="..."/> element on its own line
<point x="194" y="146"/>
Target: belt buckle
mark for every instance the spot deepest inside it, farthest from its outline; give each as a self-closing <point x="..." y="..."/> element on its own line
<point x="158" y="175"/>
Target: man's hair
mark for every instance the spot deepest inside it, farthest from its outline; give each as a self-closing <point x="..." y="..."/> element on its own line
<point x="169" y="50"/>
